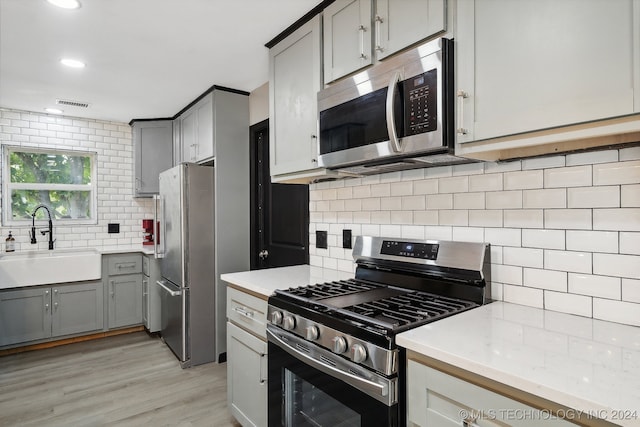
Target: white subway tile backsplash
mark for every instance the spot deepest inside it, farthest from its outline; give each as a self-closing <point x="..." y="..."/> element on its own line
<point x="413" y="203"/>
<point x="468" y="201"/>
<point x="458" y="184"/>
<point x="426" y="217"/>
<point x="402" y="188"/>
<point x="617" y="173"/>
<point x="616" y="311"/>
<point x="592" y="157"/>
<point x="577" y="262"/>
<point x="543" y="162"/>
<point x="631" y="290"/>
<point x="568" y="219"/>
<point x="521" y="180"/>
<point x="439" y="201"/>
<point x="630" y="243"/>
<point x="596" y="286"/>
<point x="503" y="236"/>
<point x="568" y="303"/>
<point x="504" y="199"/>
<point x="630" y="196"/>
<point x="545" y="279"/>
<point x="524" y="218"/>
<point x="523" y="257"/>
<point x="454" y="217"/>
<point x="566" y="238"/>
<point x="523" y="295"/>
<point x="575" y="176"/>
<point x="381" y="190"/>
<point x="468" y="234"/>
<point x="594" y="197"/>
<point x="429" y="186"/>
<point x="546" y="239"/>
<point x="435" y="232"/>
<point x="592" y="241"/>
<point x="625" y="219"/>
<point x="552" y="198"/>
<point x="631" y="153"/>
<point x="485" y="218"/>
<point x="617" y="265"/>
<point x="489" y="182"/>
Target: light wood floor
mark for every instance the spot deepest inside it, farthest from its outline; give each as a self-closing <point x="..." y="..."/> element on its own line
<point x="126" y="380"/>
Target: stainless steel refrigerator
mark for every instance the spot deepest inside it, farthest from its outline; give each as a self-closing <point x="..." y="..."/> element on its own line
<point x="188" y="285"/>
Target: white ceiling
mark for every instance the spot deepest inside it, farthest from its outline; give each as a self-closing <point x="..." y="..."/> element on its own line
<point x="145" y="58"/>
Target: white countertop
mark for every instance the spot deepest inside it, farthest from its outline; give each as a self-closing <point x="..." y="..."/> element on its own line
<point x="582" y="363"/>
<point x="264" y="282"/>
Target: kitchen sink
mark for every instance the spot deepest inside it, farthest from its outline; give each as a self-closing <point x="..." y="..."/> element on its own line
<point x="31" y="268"/>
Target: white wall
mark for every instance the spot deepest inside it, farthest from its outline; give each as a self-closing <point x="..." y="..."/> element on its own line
<point x="564" y="230"/>
<point x="113" y="145"/>
<point x="259" y="104"/>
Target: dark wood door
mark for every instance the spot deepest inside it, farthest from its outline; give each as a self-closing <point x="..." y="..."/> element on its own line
<point x="279" y="212"/>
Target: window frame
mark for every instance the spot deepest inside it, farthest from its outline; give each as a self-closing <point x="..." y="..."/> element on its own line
<point x="8" y="186"/>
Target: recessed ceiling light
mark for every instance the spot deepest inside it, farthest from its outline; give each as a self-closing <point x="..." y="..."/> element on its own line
<point x="65" y="4"/>
<point x="73" y="63"/>
<point x="53" y="111"/>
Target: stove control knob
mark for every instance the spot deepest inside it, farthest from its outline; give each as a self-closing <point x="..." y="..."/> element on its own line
<point x="339" y="345"/>
<point x="289" y="322"/>
<point x="358" y="353"/>
<point x="312" y="333"/>
<point x="276" y="317"/>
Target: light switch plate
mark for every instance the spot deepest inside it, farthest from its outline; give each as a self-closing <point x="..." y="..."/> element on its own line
<point x="321" y="240"/>
<point x="346" y="239"/>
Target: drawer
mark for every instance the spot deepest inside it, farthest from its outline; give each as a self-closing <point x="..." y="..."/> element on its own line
<point x="145" y="266"/>
<point x="125" y="264"/>
<point x="247" y="311"/>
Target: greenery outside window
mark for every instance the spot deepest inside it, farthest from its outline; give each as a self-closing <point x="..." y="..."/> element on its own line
<point x="64" y="181"/>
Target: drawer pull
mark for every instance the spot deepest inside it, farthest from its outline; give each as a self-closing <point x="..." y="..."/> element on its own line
<point x="243" y="311"/>
<point x="130" y="265"/>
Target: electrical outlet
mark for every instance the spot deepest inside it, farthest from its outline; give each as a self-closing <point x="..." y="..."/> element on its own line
<point x="113" y="228"/>
<point x="346" y="239"/>
<point x="321" y="240"/>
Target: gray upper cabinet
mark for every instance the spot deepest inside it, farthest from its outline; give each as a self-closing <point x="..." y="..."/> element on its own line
<point x="294" y="82"/>
<point x="347" y="29"/>
<point x="532" y="65"/>
<point x="217" y="117"/>
<point x="152" y="154"/>
<point x="40" y="313"/>
<point x="399" y="24"/>
<point x="358" y="32"/>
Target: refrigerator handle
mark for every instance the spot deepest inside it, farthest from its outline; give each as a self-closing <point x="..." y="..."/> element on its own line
<point x="156" y="249"/>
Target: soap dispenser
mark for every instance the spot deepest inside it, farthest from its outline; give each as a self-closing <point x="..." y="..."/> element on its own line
<point x="10" y="245"/>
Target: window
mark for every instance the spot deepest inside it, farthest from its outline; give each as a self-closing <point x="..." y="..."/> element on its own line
<point x="64" y="181"/>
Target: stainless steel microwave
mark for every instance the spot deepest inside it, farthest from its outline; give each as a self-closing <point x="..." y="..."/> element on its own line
<point x="398" y="114"/>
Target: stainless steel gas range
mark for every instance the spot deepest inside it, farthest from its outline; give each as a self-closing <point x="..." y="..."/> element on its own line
<point x="333" y="359"/>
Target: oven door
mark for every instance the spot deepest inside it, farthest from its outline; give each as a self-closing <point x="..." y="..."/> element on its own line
<point x="310" y="386"/>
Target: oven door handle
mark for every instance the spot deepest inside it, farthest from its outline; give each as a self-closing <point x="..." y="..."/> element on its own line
<point x="367" y="386"/>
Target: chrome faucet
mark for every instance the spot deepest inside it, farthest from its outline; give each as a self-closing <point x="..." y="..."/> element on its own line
<point x="43" y="232"/>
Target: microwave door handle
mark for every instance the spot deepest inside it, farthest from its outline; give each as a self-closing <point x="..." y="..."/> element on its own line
<point x="391" y="124"/>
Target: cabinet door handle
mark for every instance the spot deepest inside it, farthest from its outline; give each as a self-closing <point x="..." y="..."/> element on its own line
<point x="263" y="368"/>
<point x="113" y="291"/>
<point x="46" y="307"/>
<point x="462" y="95"/>
<point x="55" y="306"/>
<point x="378" y="21"/>
<point x="470" y="422"/>
<point x="243" y="311"/>
<point x="362" y="29"/>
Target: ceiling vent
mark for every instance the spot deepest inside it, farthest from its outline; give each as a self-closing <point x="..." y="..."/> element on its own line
<point x="72" y="103"/>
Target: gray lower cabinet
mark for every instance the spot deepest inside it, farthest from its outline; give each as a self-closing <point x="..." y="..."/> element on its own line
<point x="437" y="399"/>
<point x="151" y="293"/>
<point x="34" y="314"/>
<point x="123" y="288"/>
<point x="247" y="357"/>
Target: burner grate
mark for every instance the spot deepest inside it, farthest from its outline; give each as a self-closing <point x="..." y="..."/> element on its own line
<point x="331" y="289"/>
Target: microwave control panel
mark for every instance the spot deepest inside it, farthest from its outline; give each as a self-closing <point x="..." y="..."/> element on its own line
<point x="420" y="103"/>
